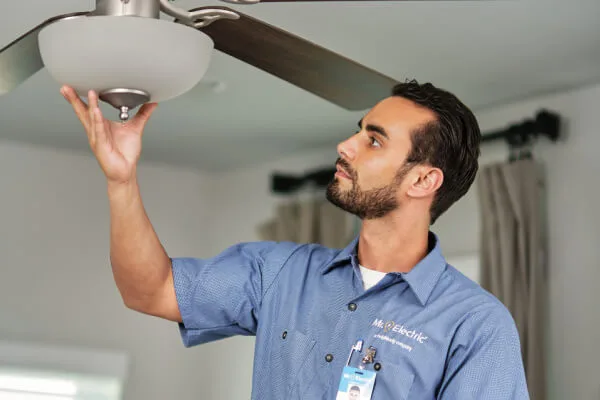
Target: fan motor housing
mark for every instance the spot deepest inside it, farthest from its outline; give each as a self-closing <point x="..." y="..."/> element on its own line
<point x="138" y="8"/>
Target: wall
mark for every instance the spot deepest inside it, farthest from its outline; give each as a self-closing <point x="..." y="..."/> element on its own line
<point x="56" y="285"/>
<point x="572" y="182"/>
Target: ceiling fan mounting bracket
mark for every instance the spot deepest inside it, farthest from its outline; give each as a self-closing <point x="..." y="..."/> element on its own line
<point x="197" y="18"/>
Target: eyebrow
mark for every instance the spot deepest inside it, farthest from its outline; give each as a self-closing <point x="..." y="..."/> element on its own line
<point x="374" y="128"/>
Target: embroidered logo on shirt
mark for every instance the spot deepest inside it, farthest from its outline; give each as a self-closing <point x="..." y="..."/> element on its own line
<point x="393" y="327"/>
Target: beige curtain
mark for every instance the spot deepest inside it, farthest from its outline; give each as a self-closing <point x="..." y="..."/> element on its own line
<point x="513" y="254"/>
<point x="311" y="220"/>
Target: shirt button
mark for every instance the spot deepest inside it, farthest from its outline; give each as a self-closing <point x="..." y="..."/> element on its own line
<point x="329" y="357"/>
<point x="284" y="335"/>
<point x="377" y="366"/>
<point x="352" y="306"/>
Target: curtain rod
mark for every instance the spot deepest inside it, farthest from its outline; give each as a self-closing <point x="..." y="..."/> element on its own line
<point x="545" y="123"/>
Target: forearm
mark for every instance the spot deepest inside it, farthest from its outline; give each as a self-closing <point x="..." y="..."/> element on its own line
<point x="141" y="266"/>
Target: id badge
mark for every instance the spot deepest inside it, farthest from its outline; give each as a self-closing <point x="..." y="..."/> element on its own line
<point x="356" y="384"/>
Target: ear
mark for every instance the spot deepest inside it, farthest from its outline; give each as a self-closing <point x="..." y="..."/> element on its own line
<point x="427" y="180"/>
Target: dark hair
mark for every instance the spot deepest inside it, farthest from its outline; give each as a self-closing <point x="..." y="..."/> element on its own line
<point x="451" y="143"/>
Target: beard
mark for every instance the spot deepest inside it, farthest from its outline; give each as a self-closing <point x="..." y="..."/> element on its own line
<point x="365" y="204"/>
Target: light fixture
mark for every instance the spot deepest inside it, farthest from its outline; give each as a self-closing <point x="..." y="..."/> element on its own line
<point x="125" y="53"/>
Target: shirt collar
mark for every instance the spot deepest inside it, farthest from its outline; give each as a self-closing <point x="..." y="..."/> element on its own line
<point x="421" y="279"/>
<point x="343" y="256"/>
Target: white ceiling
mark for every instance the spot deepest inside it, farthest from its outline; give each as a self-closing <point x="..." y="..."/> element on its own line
<point x="487" y="52"/>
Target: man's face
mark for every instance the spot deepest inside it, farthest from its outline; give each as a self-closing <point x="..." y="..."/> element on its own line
<point x="371" y="167"/>
<point x="353" y="395"/>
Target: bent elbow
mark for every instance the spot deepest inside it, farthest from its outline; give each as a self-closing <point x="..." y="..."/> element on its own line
<point x="131" y="304"/>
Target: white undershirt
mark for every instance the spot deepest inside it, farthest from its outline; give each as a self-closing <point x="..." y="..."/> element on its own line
<point x="370" y="277"/>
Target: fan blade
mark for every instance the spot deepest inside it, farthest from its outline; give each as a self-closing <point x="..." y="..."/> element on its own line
<point x="21" y="58"/>
<point x="313" y="68"/>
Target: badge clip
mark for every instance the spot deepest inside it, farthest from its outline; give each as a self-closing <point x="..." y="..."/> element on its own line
<point x="369" y="357"/>
<point x="358" y="347"/>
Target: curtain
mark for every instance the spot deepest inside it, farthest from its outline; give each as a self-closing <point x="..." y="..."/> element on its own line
<point x="312" y="220"/>
<point x="513" y="254"/>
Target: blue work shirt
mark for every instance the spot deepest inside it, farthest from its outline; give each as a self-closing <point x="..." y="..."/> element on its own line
<point x="438" y="335"/>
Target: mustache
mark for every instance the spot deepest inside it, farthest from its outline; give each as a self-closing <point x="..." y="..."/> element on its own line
<point x="345" y="166"/>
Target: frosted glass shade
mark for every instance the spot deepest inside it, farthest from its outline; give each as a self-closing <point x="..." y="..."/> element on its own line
<point x="162" y="58"/>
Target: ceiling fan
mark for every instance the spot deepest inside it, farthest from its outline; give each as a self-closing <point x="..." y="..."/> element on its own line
<point x="130" y="56"/>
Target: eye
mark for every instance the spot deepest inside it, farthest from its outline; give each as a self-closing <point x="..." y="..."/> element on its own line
<point x="374" y="142"/>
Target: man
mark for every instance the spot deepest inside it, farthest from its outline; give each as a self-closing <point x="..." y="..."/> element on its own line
<point x="430" y="332"/>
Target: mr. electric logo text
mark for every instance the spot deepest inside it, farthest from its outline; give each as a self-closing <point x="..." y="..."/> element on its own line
<point x="391" y="326"/>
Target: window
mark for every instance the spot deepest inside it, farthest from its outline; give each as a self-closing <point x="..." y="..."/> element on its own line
<point x="33" y="372"/>
<point x="23" y="384"/>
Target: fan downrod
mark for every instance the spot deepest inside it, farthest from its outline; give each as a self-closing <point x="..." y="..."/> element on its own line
<point x="134" y="8"/>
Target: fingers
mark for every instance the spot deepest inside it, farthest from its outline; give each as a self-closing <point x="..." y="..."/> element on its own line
<point x="92" y="129"/>
<point x="80" y="108"/>
<point x="99" y="134"/>
<point x="144" y="114"/>
<point x="92" y="99"/>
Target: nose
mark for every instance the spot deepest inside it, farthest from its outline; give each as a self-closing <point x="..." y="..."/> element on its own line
<point x="347" y="149"/>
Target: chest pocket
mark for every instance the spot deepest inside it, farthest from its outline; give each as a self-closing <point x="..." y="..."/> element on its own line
<point x="393" y="381"/>
<point x="290" y="351"/>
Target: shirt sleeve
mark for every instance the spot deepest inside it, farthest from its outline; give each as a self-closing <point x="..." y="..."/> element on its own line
<point x="221" y="296"/>
<point x="485" y="360"/>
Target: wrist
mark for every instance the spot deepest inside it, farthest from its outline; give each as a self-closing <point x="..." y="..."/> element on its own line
<point x="122" y="188"/>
